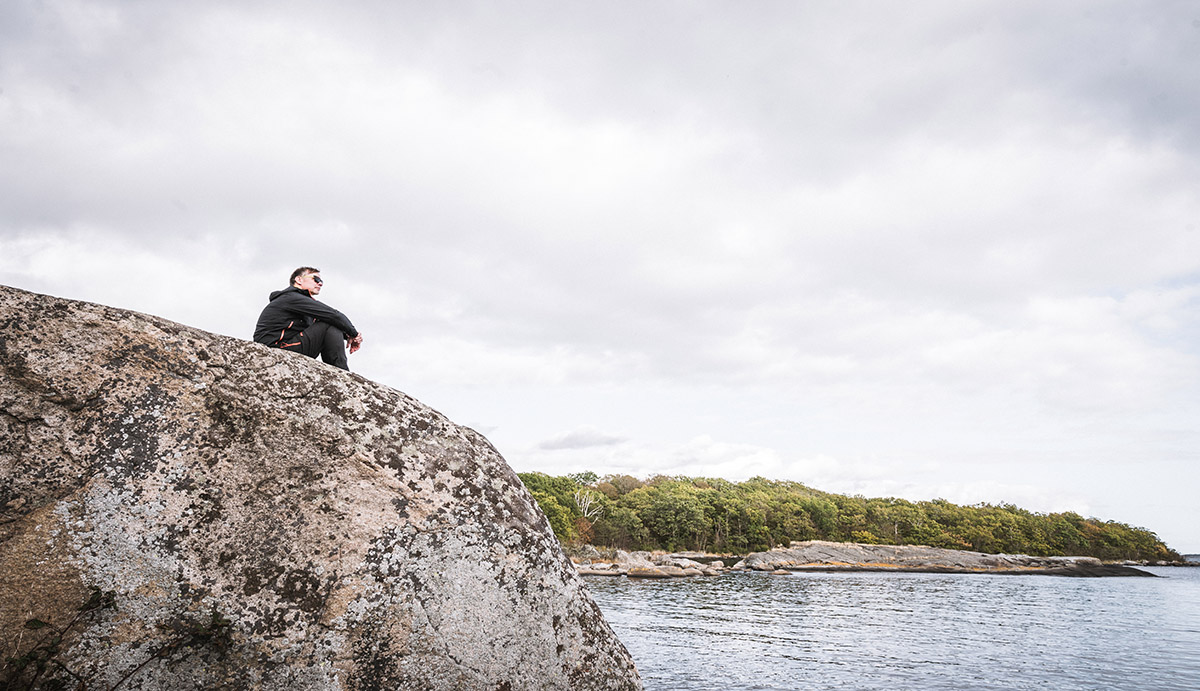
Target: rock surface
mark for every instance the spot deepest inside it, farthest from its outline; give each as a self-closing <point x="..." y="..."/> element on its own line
<point x="652" y="565"/>
<point x="818" y="555"/>
<point x="297" y="526"/>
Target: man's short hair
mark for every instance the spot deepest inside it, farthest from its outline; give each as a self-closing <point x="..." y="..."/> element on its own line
<point x="300" y="272"/>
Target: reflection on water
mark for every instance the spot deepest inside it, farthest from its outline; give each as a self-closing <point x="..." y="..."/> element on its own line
<point x="909" y="631"/>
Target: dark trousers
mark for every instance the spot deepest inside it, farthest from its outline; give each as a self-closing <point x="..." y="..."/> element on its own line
<point x="325" y="340"/>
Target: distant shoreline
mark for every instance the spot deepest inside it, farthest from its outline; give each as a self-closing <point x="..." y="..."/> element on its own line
<point x="823" y="556"/>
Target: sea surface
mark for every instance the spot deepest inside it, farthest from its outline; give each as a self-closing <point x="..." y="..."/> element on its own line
<point x="909" y="631"/>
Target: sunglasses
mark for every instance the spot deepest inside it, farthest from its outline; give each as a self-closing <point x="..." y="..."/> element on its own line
<point x="317" y="279"/>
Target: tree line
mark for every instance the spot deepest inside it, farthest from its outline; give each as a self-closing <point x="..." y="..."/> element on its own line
<point x="714" y="515"/>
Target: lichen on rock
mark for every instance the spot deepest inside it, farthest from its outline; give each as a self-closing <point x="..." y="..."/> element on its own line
<point x="352" y="537"/>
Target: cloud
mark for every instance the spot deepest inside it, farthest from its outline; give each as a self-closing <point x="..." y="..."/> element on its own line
<point x="581" y="438"/>
<point x="181" y="285"/>
<point x="815" y="241"/>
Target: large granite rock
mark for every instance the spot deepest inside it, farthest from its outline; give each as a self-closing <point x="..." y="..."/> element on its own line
<point x="819" y="555"/>
<point x="256" y="519"/>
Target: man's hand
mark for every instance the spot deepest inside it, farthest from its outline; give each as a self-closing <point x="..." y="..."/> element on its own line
<point x="355" y="343"/>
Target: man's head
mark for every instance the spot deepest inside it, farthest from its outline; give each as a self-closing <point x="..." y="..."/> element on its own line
<point x="307" y="278"/>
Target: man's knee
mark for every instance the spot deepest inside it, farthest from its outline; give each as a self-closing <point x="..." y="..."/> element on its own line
<point x="333" y="350"/>
<point x="338" y="360"/>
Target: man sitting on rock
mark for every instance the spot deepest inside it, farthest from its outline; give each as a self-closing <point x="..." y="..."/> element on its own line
<point x="294" y="320"/>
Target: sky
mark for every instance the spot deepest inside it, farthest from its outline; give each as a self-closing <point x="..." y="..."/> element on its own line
<point x="923" y="249"/>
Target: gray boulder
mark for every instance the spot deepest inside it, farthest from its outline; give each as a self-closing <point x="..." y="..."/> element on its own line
<point x="587" y="553"/>
<point x="682" y="563"/>
<point x="240" y="517"/>
<point x="629" y="559"/>
<point x="654" y="572"/>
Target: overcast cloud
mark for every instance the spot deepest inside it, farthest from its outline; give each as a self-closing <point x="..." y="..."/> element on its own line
<point x="915" y="249"/>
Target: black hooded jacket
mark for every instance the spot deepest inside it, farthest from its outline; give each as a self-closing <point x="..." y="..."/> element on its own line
<point x="291" y="311"/>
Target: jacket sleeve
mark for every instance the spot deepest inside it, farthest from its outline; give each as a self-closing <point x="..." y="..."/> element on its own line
<point x="314" y="308"/>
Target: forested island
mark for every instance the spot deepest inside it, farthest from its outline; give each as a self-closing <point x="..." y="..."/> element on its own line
<point x="715" y="515"/>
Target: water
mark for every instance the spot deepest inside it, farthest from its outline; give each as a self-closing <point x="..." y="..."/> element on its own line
<point x="909" y="631"/>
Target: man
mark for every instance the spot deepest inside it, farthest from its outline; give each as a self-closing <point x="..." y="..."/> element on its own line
<point x="294" y="320"/>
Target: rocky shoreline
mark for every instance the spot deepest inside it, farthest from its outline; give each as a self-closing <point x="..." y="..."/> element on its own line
<point x="817" y="555"/>
<point x="652" y="565"/>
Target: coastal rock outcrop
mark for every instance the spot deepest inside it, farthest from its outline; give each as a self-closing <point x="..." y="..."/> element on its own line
<point x="819" y="555"/>
<point x="652" y="565"/>
<point x="240" y="517"/>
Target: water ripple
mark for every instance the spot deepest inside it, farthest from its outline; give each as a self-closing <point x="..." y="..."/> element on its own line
<point x="909" y="631"/>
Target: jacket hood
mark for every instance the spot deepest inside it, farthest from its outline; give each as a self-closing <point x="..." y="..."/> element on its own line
<point x="289" y="289"/>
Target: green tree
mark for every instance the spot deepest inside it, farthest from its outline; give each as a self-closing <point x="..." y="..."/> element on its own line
<point x="561" y="520"/>
<point x="620" y="527"/>
<point x="561" y="488"/>
<point x="584" y="479"/>
<point x="667" y="512"/>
